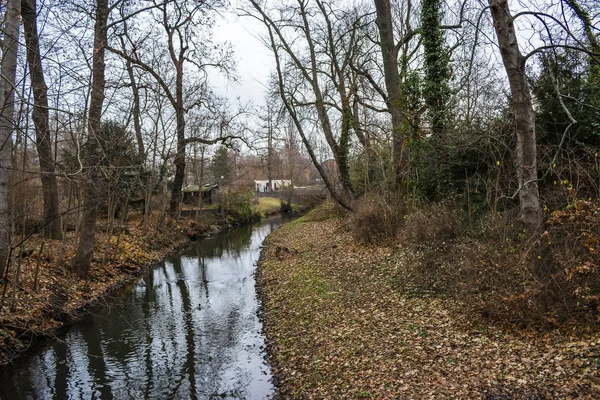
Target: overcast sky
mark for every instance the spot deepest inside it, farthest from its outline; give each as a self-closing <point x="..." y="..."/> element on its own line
<point x="254" y="60"/>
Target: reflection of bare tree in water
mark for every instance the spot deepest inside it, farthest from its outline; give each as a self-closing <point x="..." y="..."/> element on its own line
<point x="190" y="364"/>
<point x="147" y="308"/>
<point x="96" y="361"/>
<point x="203" y="276"/>
<point x="232" y="242"/>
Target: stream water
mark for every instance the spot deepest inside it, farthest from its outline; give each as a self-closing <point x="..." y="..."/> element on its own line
<point x="186" y="329"/>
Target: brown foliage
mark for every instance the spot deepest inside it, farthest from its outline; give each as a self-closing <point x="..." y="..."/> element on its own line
<point x="552" y="279"/>
<point x="376" y="219"/>
<point x="46" y="300"/>
<point x="498" y="269"/>
<point x="573" y="238"/>
<point x="436" y="222"/>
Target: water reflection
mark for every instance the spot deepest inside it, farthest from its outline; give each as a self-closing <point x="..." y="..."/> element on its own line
<point x="187" y="329"/>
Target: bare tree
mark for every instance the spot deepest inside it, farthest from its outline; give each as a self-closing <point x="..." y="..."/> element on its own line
<point x="8" y="69"/>
<point x="278" y="44"/>
<point x="522" y="105"/>
<point x="316" y="71"/>
<point x="85" y="247"/>
<point x="179" y="21"/>
<point x="40" y="115"/>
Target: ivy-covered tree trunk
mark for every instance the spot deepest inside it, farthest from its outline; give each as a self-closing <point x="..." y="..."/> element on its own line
<point x="594" y="46"/>
<point x="179" y="162"/>
<point x="178" y="60"/>
<point x="436" y="65"/>
<point x="436" y="88"/>
<point x="522" y="105"/>
<point x="588" y="26"/>
<point x="344" y="145"/>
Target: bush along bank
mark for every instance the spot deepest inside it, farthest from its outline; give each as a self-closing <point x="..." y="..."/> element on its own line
<point x="344" y="318"/>
<point x="49" y="293"/>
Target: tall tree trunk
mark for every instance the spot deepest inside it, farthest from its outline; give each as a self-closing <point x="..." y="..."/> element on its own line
<point x="344" y="142"/>
<point x="41" y="117"/>
<point x="8" y="69"/>
<point x="436" y="65"/>
<point x="292" y="113"/>
<point x="395" y="103"/>
<point x="136" y="111"/>
<point x="269" y="149"/>
<point x="339" y="65"/>
<point x="436" y="90"/>
<point x="514" y="63"/>
<point x="340" y="150"/>
<point x="588" y="28"/>
<point x="85" y="248"/>
<point x="310" y="69"/>
<point x="180" y="119"/>
<point x="179" y="163"/>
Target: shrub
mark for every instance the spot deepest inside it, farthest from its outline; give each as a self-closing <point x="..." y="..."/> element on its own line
<point x="286" y="207"/>
<point x="237" y="205"/>
<point x="436" y="222"/>
<point x="501" y="271"/>
<point x="376" y="219"/>
<point x="573" y="241"/>
<point x="553" y="277"/>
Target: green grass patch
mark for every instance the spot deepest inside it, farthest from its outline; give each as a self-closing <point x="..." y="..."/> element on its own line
<point x="309" y="283"/>
<point x="268" y="205"/>
<point x="321" y="213"/>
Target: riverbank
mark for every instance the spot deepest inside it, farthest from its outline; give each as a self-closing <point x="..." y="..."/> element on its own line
<point x="338" y="326"/>
<point x="57" y="297"/>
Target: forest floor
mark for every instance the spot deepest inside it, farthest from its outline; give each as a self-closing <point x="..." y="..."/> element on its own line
<point x="338" y="327"/>
<point x="60" y="297"/>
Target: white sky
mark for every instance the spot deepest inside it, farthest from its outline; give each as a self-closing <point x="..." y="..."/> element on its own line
<point x="254" y="61"/>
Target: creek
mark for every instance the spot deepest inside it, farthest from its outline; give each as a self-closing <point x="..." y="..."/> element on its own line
<point x="188" y="328"/>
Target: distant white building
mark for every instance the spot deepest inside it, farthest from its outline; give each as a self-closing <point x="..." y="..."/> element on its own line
<point x="278" y="184"/>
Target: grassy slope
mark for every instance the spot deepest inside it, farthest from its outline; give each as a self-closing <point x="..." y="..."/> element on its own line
<point x="268" y="205"/>
<point x="338" y="328"/>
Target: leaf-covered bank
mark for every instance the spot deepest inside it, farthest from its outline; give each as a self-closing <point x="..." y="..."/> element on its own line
<point x="338" y="327"/>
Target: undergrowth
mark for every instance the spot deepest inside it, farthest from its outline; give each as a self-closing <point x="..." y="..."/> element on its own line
<point x="237" y="205"/>
<point x="491" y="264"/>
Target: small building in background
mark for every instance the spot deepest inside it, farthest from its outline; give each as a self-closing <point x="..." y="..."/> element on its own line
<point x="277" y="184"/>
<point x="191" y="193"/>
